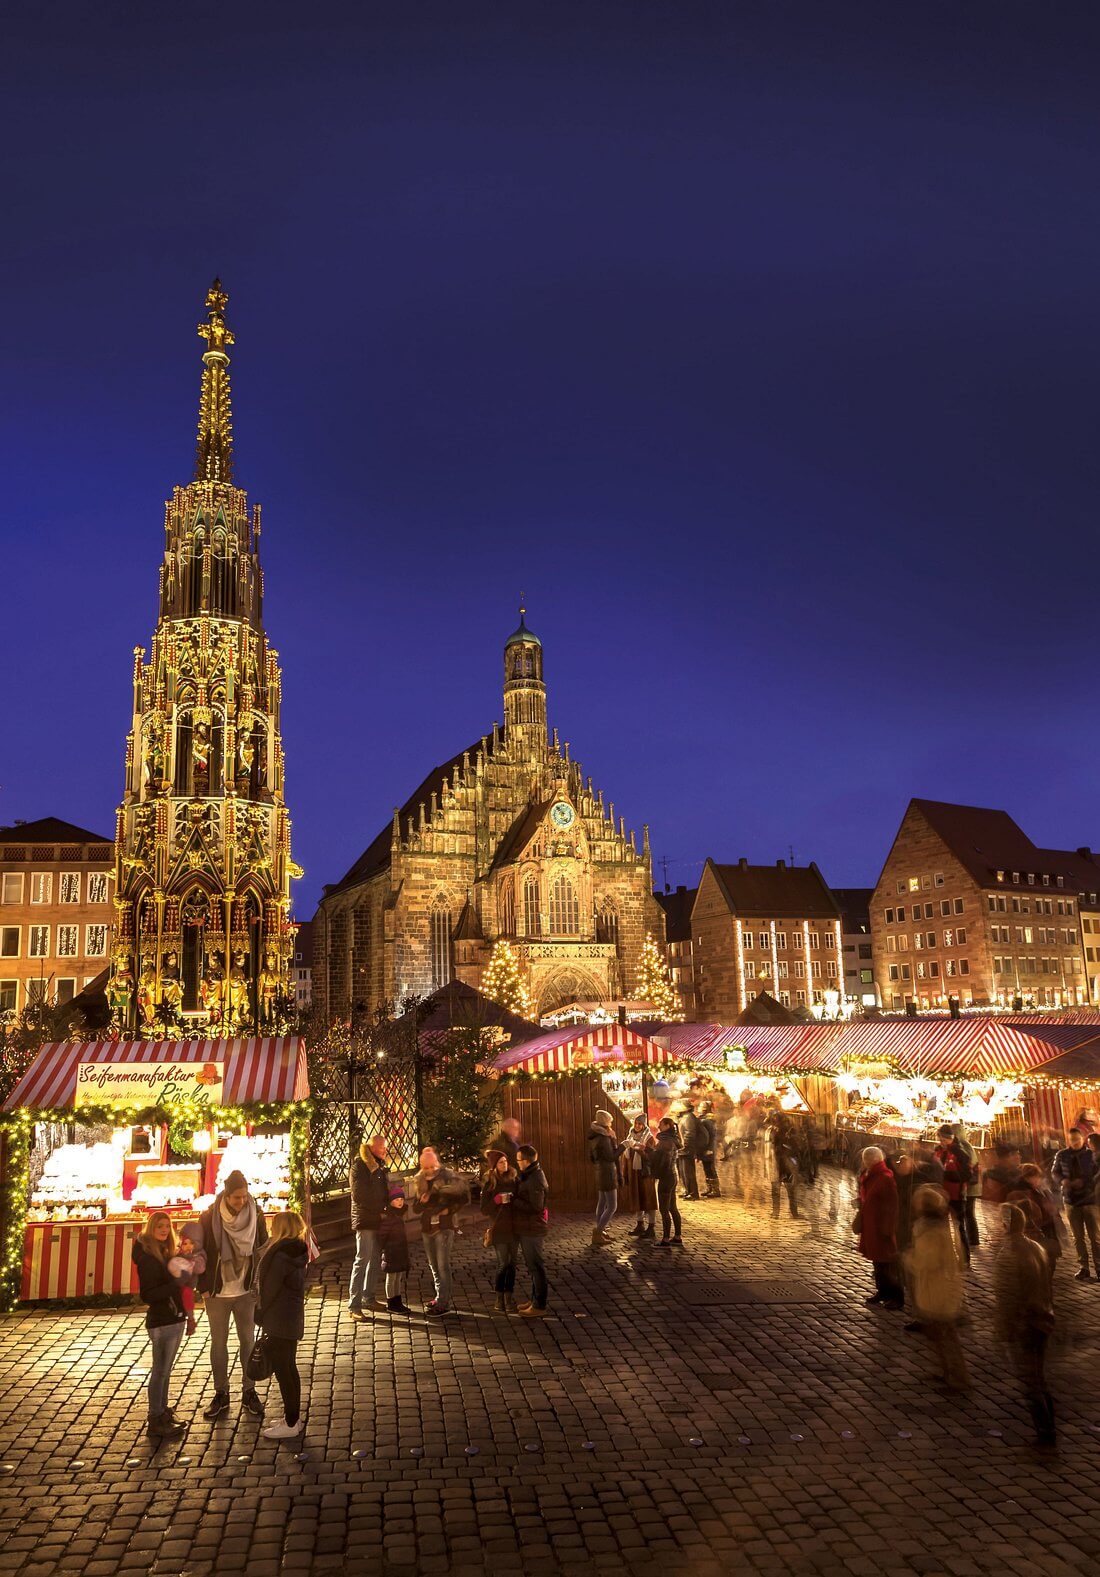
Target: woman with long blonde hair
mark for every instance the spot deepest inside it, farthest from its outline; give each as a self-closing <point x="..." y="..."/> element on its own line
<point x="280" y="1313"/>
<point x="165" y="1319"/>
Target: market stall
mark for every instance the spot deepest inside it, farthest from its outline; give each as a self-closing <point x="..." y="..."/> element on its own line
<point x="98" y="1134"/>
<point x="554" y="1083"/>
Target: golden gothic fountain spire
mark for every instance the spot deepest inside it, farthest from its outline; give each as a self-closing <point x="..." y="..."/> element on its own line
<point x="214" y="456"/>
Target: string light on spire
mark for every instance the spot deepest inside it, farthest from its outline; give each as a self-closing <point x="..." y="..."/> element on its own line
<point x="214" y="455"/>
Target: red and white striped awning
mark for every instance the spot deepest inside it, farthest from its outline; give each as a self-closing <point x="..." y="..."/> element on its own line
<point x="268" y="1068"/>
<point x="557" y="1051"/>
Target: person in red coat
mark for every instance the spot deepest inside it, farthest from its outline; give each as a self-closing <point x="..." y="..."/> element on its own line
<point x="878" y="1227"/>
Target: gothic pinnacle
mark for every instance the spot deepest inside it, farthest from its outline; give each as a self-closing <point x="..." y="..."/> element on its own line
<point x="214" y="454"/>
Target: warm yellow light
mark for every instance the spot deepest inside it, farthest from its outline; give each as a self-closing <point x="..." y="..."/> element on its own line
<point x="201" y="1141"/>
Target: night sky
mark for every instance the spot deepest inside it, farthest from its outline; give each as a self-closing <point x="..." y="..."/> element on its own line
<point x="757" y="343"/>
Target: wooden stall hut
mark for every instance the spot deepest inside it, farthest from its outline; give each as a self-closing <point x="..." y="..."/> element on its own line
<point x="555" y="1083"/>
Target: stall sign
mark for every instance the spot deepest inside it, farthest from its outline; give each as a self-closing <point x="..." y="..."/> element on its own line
<point x="149" y="1083"/>
<point x="586" y="1056"/>
<point x="735" y="1059"/>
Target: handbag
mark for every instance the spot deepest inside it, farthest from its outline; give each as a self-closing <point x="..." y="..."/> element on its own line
<point x="259" y="1365"/>
<point x="857" y="1222"/>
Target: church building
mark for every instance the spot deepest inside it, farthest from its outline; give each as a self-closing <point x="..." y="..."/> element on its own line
<point x="509" y="840"/>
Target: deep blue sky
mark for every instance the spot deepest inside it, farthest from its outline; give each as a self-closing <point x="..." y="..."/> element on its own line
<point x="758" y="343"/>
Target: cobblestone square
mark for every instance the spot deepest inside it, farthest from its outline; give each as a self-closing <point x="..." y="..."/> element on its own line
<point x="734" y="1406"/>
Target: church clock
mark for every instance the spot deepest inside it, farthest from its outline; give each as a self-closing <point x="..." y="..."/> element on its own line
<point x="562" y="814"/>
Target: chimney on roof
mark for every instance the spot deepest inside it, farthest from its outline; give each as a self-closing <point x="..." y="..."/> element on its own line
<point x="781" y="865"/>
<point x="1085" y="852"/>
<point x="681" y="887"/>
<point x="742" y="864"/>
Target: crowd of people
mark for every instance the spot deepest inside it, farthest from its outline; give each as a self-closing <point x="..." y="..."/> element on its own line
<point x="917" y="1224"/>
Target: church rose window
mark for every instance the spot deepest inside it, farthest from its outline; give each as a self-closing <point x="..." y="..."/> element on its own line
<point x="564" y="910"/>
<point x="531" y="921"/>
<point x="441" y="946"/>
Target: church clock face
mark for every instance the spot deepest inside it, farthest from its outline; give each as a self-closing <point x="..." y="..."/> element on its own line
<point x="562" y="814"/>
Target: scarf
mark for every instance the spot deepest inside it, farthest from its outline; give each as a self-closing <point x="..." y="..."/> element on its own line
<point x="604" y="1129"/>
<point x="236" y="1236"/>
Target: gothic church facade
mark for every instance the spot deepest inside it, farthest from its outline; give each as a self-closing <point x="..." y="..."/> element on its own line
<point x="508" y="840"/>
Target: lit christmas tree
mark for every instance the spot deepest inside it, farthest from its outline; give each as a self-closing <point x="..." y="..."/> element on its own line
<point x="502" y="981"/>
<point x="655" y="985"/>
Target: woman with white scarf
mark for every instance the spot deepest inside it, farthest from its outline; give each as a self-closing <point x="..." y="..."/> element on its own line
<point x="233" y="1233"/>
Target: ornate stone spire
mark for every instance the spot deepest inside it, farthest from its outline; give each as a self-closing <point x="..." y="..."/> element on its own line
<point x="214" y="456"/>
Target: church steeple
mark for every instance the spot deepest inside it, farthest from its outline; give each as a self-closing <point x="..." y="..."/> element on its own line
<point x="214" y="455"/>
<point x="524" y="691"/>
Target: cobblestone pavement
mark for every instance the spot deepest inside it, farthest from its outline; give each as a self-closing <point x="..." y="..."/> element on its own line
<point x="658" y="1419"/>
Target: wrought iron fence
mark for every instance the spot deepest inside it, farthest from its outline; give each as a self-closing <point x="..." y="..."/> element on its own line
<point x="359" y="1102"/>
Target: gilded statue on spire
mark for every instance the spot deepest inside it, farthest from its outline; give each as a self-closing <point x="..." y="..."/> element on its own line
<point x="214" y="457"/>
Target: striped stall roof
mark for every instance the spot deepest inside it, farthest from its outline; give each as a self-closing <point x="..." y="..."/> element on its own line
<point x="979" y="1047"/>
<point x="268" y="1068"/>
<point x="554" y="1052"/>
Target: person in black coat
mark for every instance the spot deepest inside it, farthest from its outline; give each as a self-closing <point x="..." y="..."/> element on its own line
<point x="280" y="1313"/>
<point x="663" y="1164"/>
<point x="166" y="1318"/>
<point x="604" y="1151"/>
<point x="395" y="1246"/>
<point x="530" y="1219"/>
<point x="369" y="1185"/>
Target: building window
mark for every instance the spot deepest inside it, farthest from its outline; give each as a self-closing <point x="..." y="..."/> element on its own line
<point x="441" y="945"/>
<point x="800" y="968"/>
<point x="36" y="990"/>
<point x="66" y="990"/>
<point x="914" y="884"/>
<point x="97" y="887"/>
<point x="765" y="969"/>
<point x="39" y="942"/>
<point x="9" y="941"/>
<point x="830" y="968"/>
<point x="906" y="973"/>
<point x="9" y="996"/>
<point x="532" y="919"/>
<point x="781" y="941"/>
<point x="565" y="919"/>
<point x="816" y="967"/>
<point x="938" y="878"/>
<point x="508" y="908"/>
<point x="866" y="977"/>
<point x="926" y="883"/>
<point x="830" y="941"/>
<point x="893" y="972"/>
<point x="815" y="939"/>
<point x="889" y="917"/>
<point x="783" y="969"/>
<point x="750" y="968"/>
<point x="903" y="943"/>
<point x="41" y="886"/>
<point x="901" y="887"/>
<point x="95" y="941"/>
<point x="11" y="890"/>
<point x="958" y="904"/>
<point x="945" y="906"/>
<point x="901" y="914"/>
<point x="765" y="941"/>
<point x="964" y="966"/>
<point x="69" y="887"/>
<point x="67" y="940"/>
<point x="607" y="924"/>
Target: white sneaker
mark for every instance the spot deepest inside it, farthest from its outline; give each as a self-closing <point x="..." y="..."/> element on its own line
<point x="284" y="1431"/>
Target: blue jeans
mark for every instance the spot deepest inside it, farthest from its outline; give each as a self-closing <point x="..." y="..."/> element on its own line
<point x="437" y="1248"/>
<point x="532" y="1258"/>
<point x="606" y="1206"/>
<point x="367" y="1269"/>
<point x="166" y="1344"/>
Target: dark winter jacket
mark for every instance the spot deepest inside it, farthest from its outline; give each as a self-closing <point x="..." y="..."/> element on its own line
<point x="369" y="1182"/>
<point x="505" y="1146"/>
<point x="529" y="1203"/>
<point x="158" y="1288"/>
<point x="211" y="1279"/>
<point x="499" y="1186"/>
<point x="662" y="1158"/>
<point x="878" y="1209"/>
<point x="446" y="1192"/>
<point x="604" y="1151"/>
<point x="1022" y="1305"/>
<point x="693" y="1136"/>
<point x="1075" y="1170"/>
<point x="281" y="1278"/>
<point x="393" y="1237"/>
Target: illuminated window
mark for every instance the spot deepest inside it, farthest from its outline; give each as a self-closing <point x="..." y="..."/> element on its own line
<point x="41" y="886"/>
<point x="39" y="941"/>
<point x="69" y="887"/>
<point x="67" y="941"/>
<point x="95" y="941"/>
<point x="781" y="941"/>
<point x="441" y="945"/>
<point x="750" y="969"/>
<point x="565" y="917"/>
<point x="532" y="920"/>
<point x="97" y="887"/>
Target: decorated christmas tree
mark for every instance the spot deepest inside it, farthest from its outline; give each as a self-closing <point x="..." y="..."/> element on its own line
<point x="502" y="981"/>
<point x="655" y="985"/>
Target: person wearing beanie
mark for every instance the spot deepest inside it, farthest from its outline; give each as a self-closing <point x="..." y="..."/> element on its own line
<point x="604" y="1151"/>
<point x="233" y="1234"/>
<point x="368" y="1183"/>
<point x="530" y="1217"/>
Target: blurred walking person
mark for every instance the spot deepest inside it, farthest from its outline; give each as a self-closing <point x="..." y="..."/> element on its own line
<point x="934" y="1267"/>
<point x="1024" y="1317"/>
<point x="1075" y="1171"/>
<point x="497" y="1190"/>
<point x="438" y="1196"/>
<point x="280" y="1313"/>
<point x="878" y="1228"/>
